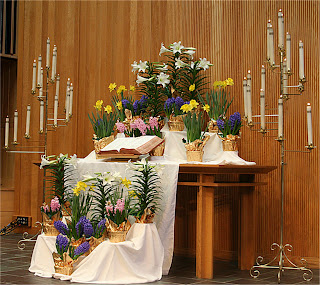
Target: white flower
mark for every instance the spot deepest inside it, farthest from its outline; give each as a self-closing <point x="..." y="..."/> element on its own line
<point x="141" y="79"/>
<point x="163" y="49"/>
<point x="190" y="52"/>
<point x="159" y="169"/>
<point x="135" y="66"/>
<point x="107" y="178"/>
<point x="87" y="177"/>
<point x="44" y="161"/>
<point x="192" y="65"/>
<point x="163" y="79"/>
<point x="117" y="177"/>
<point x="164" y="67"/>
<point x="73" y="160"/>
<point x="176" y="47"/>
<point x="204" y="63"/>
<point x="143" y="65"/>
<point x="179" y="63"/>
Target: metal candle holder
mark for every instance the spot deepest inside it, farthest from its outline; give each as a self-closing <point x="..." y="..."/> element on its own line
<point x="281" y="256"/>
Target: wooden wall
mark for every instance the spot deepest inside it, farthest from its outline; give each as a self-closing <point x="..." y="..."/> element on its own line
<point x="98" y="40"/>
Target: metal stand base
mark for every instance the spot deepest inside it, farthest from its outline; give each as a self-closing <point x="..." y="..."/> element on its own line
<point x="25" y="238"/>
<point x="281" y="255"/>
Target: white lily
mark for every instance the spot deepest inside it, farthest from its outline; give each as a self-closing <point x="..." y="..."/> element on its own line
<point x="135" y="66"/>
<point x="45" y="161"/>
<point x="163" y="79"/>
<point x="117" y="177"/>
<point x="159" y="169"/>
<point x="73" y="160"/>
<point x="179" y="63"/>
<point x="164" y="67"/>
<point x="190" y="52"/>
<point x="163" y="49"/>
<point x="143" y="65"/>
<point x="141" y="79"/>
<point x="176" y="47"/>
<point x="107" y="178"/>
<point x="131" y="166"/>
<point x="192" y="65"/>
<point x="204" y="63"/>
<point x="87" y="177"/>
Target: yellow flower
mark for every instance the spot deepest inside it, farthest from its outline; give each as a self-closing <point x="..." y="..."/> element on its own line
<point x="119" y="105"/>
<point x="192" y="87"/>
<point x="98" y="105"/>
<point x="112" y="86"/>
<point x="121" y="89"/>
<point x="108" y="109"/>
<point x="193" y="104"/>
<point x="132" y="194"/>
<point x="91" y="188"/>
<point x="219" y="84"/>
<point x="76" y="191"/>
<point x="206" y="107"/>
<point x="229" y="82"/>
<point x="81" y="185"/>
<point x="186" y="108"/>
<point x="132" y="88"/>
<point x="126" y="182"/>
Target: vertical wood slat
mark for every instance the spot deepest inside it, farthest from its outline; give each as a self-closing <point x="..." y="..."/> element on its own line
<point x="12" y="26"/>
<point x="4" y="27"/>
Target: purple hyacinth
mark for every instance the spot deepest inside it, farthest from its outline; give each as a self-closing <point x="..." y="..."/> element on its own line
<point x="125" y="102"/>
<point x="168" y="103"/>
<point x="87" y="229"/>
<point x="62" y="242"/>
<point x="234" y="120"/>
<point x="82" y="248"/>
<point x="136" y="105"/>
<point x="101" y="225"/>
<point x="220" y="124"/>
<point x="61" y="227"/>
<point x="143" y="102"/>
<point x="179" y="102"/>
<point x="80" y="224"/>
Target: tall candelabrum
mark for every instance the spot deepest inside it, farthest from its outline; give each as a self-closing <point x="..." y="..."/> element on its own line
<point x="49" y="119"/>
<point x="283" y="69"/>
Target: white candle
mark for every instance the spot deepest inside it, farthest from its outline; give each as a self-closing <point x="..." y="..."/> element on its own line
<point x="309" y="122"/>
<point x="40" y="93"/>
<point x="67" y="104"/>
<point x="6" y="137"/>
<point x="262" y="109"/>
<point x="263" y="77"/>
<point x="15" y="127"/>
<point x="281" y="29"/>
<point x="48" y="54"/>
<point x="54" y="63"/>
<point x="245" y="97"/>
<point x="280" y="118"/>
<point x="285" y="77"/>
<point x="28" y="121"/>
<point x="67" y="92"/>
<point x="268" y="39"/>
<point x="249" y="104"/>
<point x="57" y="85"/>
<point x="41" y="115"/>
<point x="288" y="51"/>
<point x="301" y="61"/>
<point x="34" y="75"/>
<point x="39" y="70"/>
<point x="41" y="77"/>
<point x="55" y="112"/>
<point x="70" y="100"/>
<point x="272" y="62"/>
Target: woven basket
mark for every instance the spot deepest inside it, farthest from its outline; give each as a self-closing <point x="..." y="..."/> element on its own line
<point x="194" y="155"/>
<point x="47" y="224"/>
<point x="213" y="127"/>
<point x="158" y="151"/>
<point x="176" y="124"/>
<point x="119" y="236"/>
<point x="65" y="270"/>
<point x="230" y="145"/>
<point x="100" y="144"/>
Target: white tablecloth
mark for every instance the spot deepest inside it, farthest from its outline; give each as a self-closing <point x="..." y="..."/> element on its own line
<point x="137" y="260"/>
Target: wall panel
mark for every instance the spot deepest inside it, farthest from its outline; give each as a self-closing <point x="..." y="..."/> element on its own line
<point x="98" y="40"/>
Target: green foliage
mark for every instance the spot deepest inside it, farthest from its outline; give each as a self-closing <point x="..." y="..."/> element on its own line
<point x="102" y="124"/>
<point x="194" y="124"/>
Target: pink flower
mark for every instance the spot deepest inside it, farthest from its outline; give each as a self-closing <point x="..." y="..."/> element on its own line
<point x="55" y="205"/>
<point x="133" y="125"/>
<point x="119" y="206"/>
<point x="153" y="122"/>
<point x="141" y="126"/>
<point x="109" y="208"/>
<point x="45" y="208"/>
<point x="121" y="127"/>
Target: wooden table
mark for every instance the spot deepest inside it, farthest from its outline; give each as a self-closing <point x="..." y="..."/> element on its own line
<point x="208" y="178"/>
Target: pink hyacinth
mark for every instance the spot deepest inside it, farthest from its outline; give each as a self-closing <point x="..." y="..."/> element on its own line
<point x="121" y="127"/>
<point x="141" y="126"/>
<point x="45" y="208"/>
<point x="109" y="208"/>
<point x="133" y="125"/>
<point x="153" y="122"/>
<point x="119" y="206"/>
<point x="55" y="205"/>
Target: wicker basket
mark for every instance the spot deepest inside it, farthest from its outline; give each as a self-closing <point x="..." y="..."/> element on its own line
<point x="176" y="124"/>
<point x="194" y="155"/>
<point x="119" y="236"/>
<point x="158" y="151"/>
<point x="100" y="144"/>
<point x="65" y="270"/>
<point x="213" y="127"/>
<point x="230" y="145"/>
<point x="47" y="224"/>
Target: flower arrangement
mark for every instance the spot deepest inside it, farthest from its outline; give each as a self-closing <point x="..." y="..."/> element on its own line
<point x="172" y="106"/>
<point x="145" y="192"/>
<point x="230" y="126"/>
<point x="53" y="209"/>
<point x="117" y="208"/>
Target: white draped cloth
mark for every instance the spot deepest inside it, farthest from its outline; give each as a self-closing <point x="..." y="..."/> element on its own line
<point x="137" y="260"/>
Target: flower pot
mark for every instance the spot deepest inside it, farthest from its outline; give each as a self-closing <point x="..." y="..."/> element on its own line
<point x="158" y="151"/>
<point x="64" y="266"/>
<point x="65" y="270"/>
<point x="194" y="155"/>
<point x="94" y="242"/>
<point x="100" y="144"/>
<point x="47" y="224"/>
<point x="117" y="236"/>
<point x="146" y="218"/>
<point x="213" y="127"/>
<point x="195" y="149"/>
<point x="117" y="233"/>
<point x="176" y="124"/>
<point x="230" y="143"/>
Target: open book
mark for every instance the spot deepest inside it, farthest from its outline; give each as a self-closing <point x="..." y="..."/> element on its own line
<point x="139" y="145"/>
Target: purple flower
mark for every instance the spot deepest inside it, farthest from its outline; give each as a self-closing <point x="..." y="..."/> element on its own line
<point x="61" y="227"/>
<point x="87" y="229"/>
<point x="102" y="225"/>
<point x="81" y="249"/>
<point x="220" y="124"/>
<point x="179" y="102"/>
<point x="136" y="105"/>
<point x="168" y="103"/>
<point x="62" y="243"/>
<point x="234" y="120"/>
<point x="125" y="102"/>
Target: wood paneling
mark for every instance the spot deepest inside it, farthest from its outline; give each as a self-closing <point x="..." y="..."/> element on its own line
<point x="98" y="40"/>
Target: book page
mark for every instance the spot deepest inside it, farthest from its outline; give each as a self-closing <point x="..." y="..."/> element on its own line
<point x="127" y="143"/>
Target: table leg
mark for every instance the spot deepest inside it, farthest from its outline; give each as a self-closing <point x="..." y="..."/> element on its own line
<point x="205" y="229"/>
<point x="247" y="245"/>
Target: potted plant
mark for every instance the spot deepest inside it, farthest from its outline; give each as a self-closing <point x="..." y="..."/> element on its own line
<point x="229" y="130"/>
<point x="50" y="214"/>
<point x="172" y="109"/>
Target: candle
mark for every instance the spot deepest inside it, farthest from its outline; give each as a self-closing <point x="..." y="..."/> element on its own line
<point x="309" y="122"/>
<point x="262" y="109"/>
<point x="288" y="51"/>
<point x="40" y="93"/>
<point x="15" y="127"/>
<point x="263" y="77"/>
<point x="268" y="39"/>
<point x="70" y="100"/>
<point x="54" y="63"/>
<point x="280" y="118"/>
<point x="41" y="77"/>
<point x="28" y="121"/>
<point x="55" y="112"/>
<point x="285" y="77"/>
<point x="57" y="86"/>
<point x="272" y="62"/>
<point x="39" y="70"/>
<point x="55" y="60"/>
<point x="6" y="138"/>
<point x="245" y="97"/>
<point x="41" y="116"/>
<point x="281" y="29"/>
<point x="249" y="108"/>
<point x="67" y="92"/>
<point x="67" y="104"/>
<point x="48" y="54"/>
<point x="301" y="61"/>
<point x="34" y="75"/>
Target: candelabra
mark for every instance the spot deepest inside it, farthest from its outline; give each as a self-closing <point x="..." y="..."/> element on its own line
<point x="278" y="262"/>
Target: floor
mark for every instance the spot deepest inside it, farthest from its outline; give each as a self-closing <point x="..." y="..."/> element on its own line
<point x="15" y="264"/>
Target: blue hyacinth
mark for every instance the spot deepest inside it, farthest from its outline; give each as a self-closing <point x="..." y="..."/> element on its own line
<point x="62" y="242"/>
<point x="81" y="249"/>
<point x="179" y="102"/>
<point x="234" y="120"/>
<point x="61" y="227"/>
<point x="87" y="229"/>
<point x="125" y="102"/>
<point x="100" y="227"/>
<point x="220" y="124"/>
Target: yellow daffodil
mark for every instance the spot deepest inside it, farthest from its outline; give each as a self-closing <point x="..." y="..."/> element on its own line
<point x="81" y="185"/>
<point x="132" y="194"/>
<point x="132" y="88"/>
<point x="119" y="105"/>
<point x="121" y="88"/>
<point x="186" y="108"/>
<point x="126" y="182"/>
<point x="108" y="109"/>
<point x="192" y="87"/>
<point x="219" y="84"/>
<point x="112" y="86"/>
<point x="229" y="82"/>
<point x="98" y="105"/>
<point x="193" y="104"/>
<point x="91" y="188"/>
<point x="206" y="107"/>
<point x="76" y="191"/>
